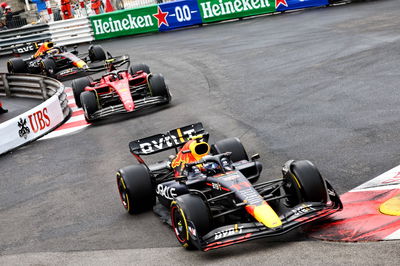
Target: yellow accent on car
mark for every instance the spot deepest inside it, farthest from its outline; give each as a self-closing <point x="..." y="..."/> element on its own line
<point x="80" y="64"/>
<point x="184" y="220"/>
<point x="123" y="182"/>
<point x="128" y="206"/>
<point x="391" y="206"/>
<point x="267" y="216"/>
<point x="297" y="181"/>
<point x="180" y="135"/>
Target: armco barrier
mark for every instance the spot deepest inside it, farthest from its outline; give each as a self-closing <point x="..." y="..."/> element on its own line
<point x="23" y="38"/>
<point x="178" y="14"/>
<point x="71" y="31"/>
<point x="34" y="123"/>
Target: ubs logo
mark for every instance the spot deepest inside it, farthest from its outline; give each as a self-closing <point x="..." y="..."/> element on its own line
<point x="23" y="128"/>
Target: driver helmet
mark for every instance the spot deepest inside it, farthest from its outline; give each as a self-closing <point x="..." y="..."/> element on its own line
<point x="199" y="149"/>
<point x="212" y="168"/>
<point x="53" y="51"/>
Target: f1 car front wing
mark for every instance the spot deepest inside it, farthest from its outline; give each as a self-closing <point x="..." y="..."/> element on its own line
<point x="297" y="216"/>
<point x="119" y="108"/>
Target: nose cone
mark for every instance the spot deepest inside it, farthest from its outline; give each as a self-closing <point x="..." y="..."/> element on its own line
<point x="129" y="106"/>
<point x="265" y="215"/>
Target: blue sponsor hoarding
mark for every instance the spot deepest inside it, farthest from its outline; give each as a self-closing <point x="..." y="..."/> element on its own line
<point x="282" y="5"/>
<point x="178" y="14"/>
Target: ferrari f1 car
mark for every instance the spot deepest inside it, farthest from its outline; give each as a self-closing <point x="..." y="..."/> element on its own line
<point x="209" y="195"/>
<point x="120" y="91"/>
<point x="56" y="61"/>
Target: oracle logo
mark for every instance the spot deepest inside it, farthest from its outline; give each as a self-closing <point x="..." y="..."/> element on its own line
<point x="39" y="120"/>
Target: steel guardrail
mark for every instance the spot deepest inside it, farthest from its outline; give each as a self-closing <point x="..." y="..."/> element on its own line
<point x="12" y="39"/>
<point x="38" y="121"/>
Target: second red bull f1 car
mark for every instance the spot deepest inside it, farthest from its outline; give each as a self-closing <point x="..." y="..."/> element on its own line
<point x="57" y="62"/>
<point x="209" y="195"/>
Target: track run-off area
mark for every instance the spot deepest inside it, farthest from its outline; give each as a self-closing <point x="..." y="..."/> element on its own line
<point x="319" y="84"/>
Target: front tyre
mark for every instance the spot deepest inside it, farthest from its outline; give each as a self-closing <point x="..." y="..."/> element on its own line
<point x="158" y="87"/>
<point x="133" y="69"/>
<point x="135" y="189"/>
<point x="89" y="104"/>
<point x="305" y="184"/>
<point x="232" y="145"/>
<point x="97" y="53"/>
<point x="48" y="67"/>
<point x="190" y="218"/>
<point x="78" y="86"/>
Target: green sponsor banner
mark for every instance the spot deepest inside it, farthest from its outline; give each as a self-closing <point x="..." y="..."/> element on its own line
<point x="124" y="22"/>
<point x="216" y="10"/>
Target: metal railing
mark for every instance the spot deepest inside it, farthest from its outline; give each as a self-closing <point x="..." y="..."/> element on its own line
<point x="71" y="31"/>
<point x="32" y="86"/>
<point x="15" y="38"/>
<point x="21" y="129"/>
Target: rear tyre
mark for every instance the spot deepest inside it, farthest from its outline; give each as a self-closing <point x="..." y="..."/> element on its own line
<point x="89" y="104"/>
<point x="135" y="188"/>
<point x="232" y="145"/>
<point x="139" y="67"/>
<point x="48" y="67"/>
<point x="78" y="86"/>
<point x="307" y="184"/>
<point x="17" y="65"/>
<point x="97" y="53"/>
<point x="158" y="87"/>
<point x="190" y="218"/>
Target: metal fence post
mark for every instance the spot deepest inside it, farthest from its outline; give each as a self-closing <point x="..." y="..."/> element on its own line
<point x="6" y="86"/>
<point x="43" y="87"/>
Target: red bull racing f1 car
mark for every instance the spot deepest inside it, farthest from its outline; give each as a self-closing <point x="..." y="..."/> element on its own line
<point x="57" y="62"/>
<point x="209" y="195"/>
<point x="120" y="91"/>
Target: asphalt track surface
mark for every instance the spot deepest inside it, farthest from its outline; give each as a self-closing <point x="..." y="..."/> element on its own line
<point x="320" y="84"/>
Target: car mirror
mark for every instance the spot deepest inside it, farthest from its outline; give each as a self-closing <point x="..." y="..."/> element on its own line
<point x="181" y="178"/>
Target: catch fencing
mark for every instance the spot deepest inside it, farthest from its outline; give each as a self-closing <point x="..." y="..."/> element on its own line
<point x="22" y="38"/>
<point x="37" y="122"/>
<point x="71" y="31"/>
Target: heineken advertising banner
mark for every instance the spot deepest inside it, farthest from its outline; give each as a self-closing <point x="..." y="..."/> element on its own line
<point x="282" y="5"/>
<point x="125" y="22"/>
<point x="216" y="10"/>
<point x="172" y="15"/>
<point x="179" y="14"/>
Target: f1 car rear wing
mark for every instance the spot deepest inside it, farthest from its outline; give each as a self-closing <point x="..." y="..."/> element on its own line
<point x="172" y="139"/>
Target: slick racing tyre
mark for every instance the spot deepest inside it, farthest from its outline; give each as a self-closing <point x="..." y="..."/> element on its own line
<point x="89" y="104"/>
<point x="158" y="87"/>
<point x="17" y="65"/>
<point x="97" y="53"/>
<point x="78" y="86"/>
<point x="135" y="188"/>
<point x="190" y="218"/>
<point x="48" y="67"/>
<point x="232" y="145"/>
<point x="307" y="184"/>
<point x="139" y="67"/>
